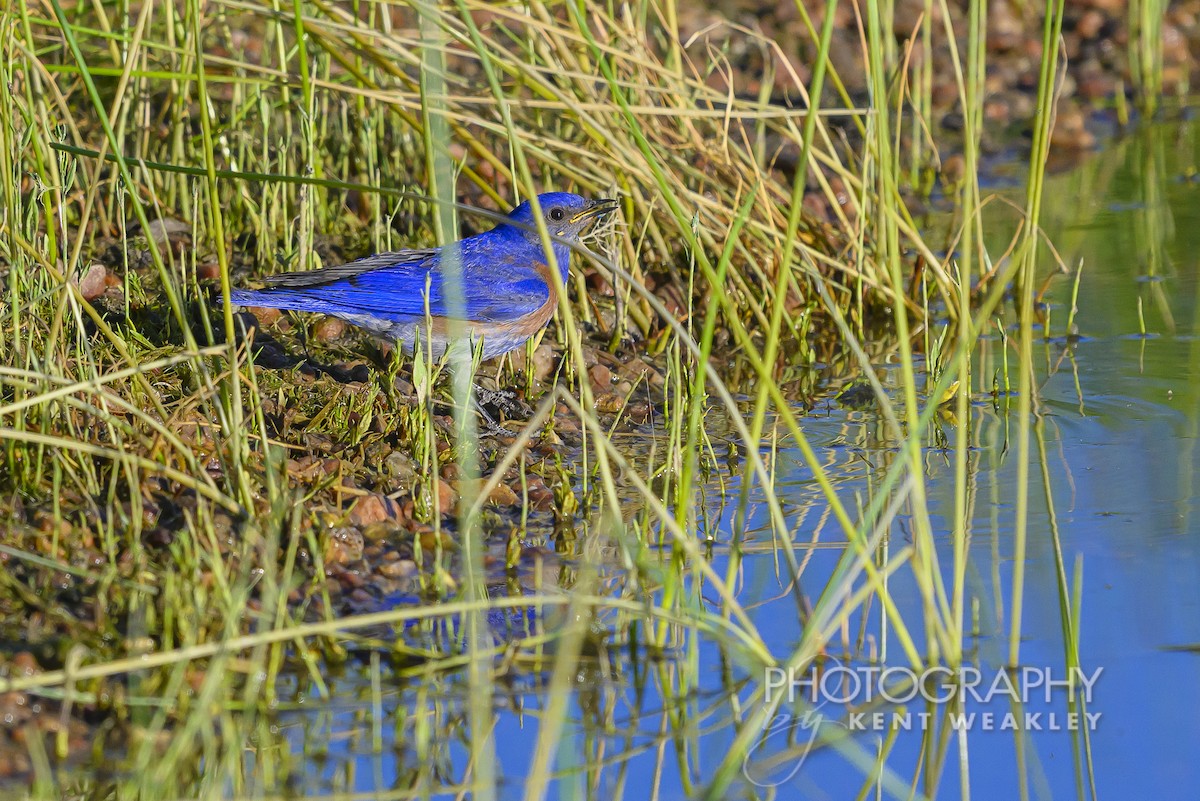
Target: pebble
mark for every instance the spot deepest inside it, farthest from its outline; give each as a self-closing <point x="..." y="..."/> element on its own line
<point x="609" y="403"/>
<point x="401" y="568"/>
<point x="1090" y="23"/>
<point x="545" y="362"/>
<point x="14" y="764"/>
<point x="601" y="377"/>
<point x="372" y="508"/>
<point x="329" y="329"/>
<point x="541" y="497"/>
<point x="344" y="545"/>
<point x="14" y="709"/>
<point x="400" y="467"/>
<point x="447" y="498"/>
<point x="430" y="540"/>
<point x="24" y="663"/>
<point x="92" y="283"/>
<point x="350" y="579"/>
<point x="501" y="494"/>
<point x="265" y="316"/>
<point x="175" y="233"/>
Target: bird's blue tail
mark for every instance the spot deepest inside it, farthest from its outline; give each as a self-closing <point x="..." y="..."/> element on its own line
<point x="280" y="299"/>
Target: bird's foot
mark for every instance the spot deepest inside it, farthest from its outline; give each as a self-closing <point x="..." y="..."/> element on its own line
<point x="493" y="429"/>
<point x="502" y="401"/>
<point x="494" y="404"/>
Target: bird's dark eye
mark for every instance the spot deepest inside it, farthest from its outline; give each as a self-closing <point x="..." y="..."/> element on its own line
<point x="557" y="214"/>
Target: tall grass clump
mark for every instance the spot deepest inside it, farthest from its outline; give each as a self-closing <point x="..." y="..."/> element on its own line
<point x="200" y="500"/>
<point x="1146" y="53"/>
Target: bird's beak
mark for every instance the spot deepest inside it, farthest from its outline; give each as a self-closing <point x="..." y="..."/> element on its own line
<point x="597" y="209"/>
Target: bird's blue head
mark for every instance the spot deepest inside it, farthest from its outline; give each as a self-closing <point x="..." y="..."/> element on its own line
<point x="567" y="216"/>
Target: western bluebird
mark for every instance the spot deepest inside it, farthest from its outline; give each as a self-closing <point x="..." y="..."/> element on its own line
<point x="508" y="291"/>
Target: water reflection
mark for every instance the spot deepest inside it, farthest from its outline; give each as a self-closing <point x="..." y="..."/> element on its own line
<point x="1114" y="489"/>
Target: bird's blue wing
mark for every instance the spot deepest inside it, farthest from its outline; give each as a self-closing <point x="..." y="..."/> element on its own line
<point x="501" y="283"/>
